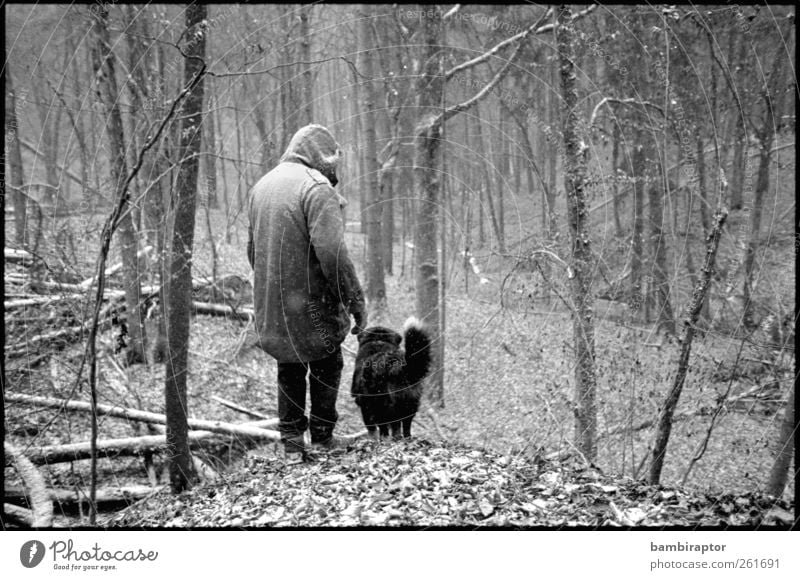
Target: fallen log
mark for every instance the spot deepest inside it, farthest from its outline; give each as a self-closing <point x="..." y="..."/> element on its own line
<point x="222" y="310"/>
<point x="18" y="516"/>
<point x="145" y="417"/>
<point x="32" y="343"/>
<point x="263" y="423"/>
<point x="107" y="448"/>
<point x="41" y="300"/>
<point x="37" y="497"/>
<point x="68" y="497"/>
<point x="17" y="256"/>
<point x="125" y="447"/>
<point x="86" y="284"/>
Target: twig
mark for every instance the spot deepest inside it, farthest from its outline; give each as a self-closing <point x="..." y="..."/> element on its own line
<point x="239" y="408"/>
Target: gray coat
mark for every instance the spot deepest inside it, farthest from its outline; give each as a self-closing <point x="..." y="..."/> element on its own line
<point x="304" y="282"/>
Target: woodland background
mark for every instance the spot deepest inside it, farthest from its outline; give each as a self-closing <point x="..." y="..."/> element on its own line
<point x="592" y="207"/>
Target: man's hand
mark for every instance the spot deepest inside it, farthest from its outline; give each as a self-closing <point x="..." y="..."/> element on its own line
<point x="360" y="317"/>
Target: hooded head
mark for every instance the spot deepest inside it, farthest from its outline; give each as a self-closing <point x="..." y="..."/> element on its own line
<point x="315" y="147"/>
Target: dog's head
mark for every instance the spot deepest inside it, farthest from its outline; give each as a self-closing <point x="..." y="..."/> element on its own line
<point x="379" y="334"/>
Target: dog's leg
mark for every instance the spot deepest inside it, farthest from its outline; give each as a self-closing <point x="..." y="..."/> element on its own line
<point x="407" y="425"/>
<point x="369" y="419"/>
<point x="396" y="429"/>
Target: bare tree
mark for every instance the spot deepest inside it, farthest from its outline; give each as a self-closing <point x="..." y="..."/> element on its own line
<point x="427" y="148"/>
<point x="104" y="63"/>
<point x="665" y="416"/>
<point x="783" y="461"/>
<point x="372" y="214"/>
<point x="305" y="57"/>
<point x="179" y="283"/>
<point x="426" y="182"/>
<point x="582" y="261"/>
<point x="772" y="95"/>
<point x="15" y="180"/>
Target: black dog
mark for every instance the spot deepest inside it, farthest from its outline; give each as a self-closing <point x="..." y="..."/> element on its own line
<point x="387" y="379"/>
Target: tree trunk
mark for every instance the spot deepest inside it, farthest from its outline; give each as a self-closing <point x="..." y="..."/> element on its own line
<point x="179" y="291"/>
<point x="665" y="418"/>
<point x="661" y="290"/>
<point x="210" y="138"/>
<point x="387" y="200"/>
<point x="15" y="179"/>
<point x="104" y="64"/>
<point x="487" y="179"/>
<point x="701" y="183"/>
<point x="637" y="242"/>
<point x="779" y="473"/>
<point x="47" y="146"/>
<point x="427" y="143"/>
<point x="308" y="76"/>
<point x="386" y="182"/>
<point x="372" y="214"/>
<point x="615" y="139"/>
<point x="773" y="95"/>
<point x="534" y="173"/>
<point x="740" y="141"/>
<point x="503" y="163"/>
<point x="286" y="75"/>
<point x="762" y="185"/>
<point x="582" y="262"/>
<point x="552" y="106"/>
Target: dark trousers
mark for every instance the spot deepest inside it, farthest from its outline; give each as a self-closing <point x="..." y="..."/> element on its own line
<point x="323" y="379"/>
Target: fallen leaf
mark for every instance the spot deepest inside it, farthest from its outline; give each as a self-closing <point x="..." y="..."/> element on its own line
<point x="486" y="508"/>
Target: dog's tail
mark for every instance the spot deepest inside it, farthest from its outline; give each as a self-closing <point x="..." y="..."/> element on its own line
<point x="417" y="344"/>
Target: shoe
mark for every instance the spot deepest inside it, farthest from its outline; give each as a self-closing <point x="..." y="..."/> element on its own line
<point x="294" y="450"/>
<point x="333" y="442"/>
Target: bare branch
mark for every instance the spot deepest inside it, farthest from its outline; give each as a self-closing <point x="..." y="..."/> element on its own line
<point x="535" y="28"/>
<point x="452" y="12"/>
<point x="284" y="65"/>
<point x="629" y="101"/>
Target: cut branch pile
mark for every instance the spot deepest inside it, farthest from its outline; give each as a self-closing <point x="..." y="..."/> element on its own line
<point x="52" y="313"/>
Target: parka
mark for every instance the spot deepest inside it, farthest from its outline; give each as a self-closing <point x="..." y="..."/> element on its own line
<point x="304" y="283"/>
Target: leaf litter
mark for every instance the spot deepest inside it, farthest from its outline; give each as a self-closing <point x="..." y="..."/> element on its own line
<point x="418" y="483"/>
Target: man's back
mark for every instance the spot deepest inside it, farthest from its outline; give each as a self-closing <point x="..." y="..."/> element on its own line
<point x="303" y="279"/>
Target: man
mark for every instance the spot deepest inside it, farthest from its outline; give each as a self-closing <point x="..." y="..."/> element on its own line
<point x="304" y="284"/>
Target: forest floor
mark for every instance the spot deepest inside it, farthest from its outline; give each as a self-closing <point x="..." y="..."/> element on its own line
<point x="508" y="389"/>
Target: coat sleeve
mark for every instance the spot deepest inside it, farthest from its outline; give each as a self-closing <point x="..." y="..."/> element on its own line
<point x="251" y="249"/>
<point x="326" y="229"/>
<point x="251" y="245"/>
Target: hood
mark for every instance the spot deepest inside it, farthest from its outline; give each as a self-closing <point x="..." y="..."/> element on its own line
<point x="315" y="147"/>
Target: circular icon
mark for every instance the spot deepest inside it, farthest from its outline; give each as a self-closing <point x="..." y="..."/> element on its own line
<point x="31" y="553"/>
